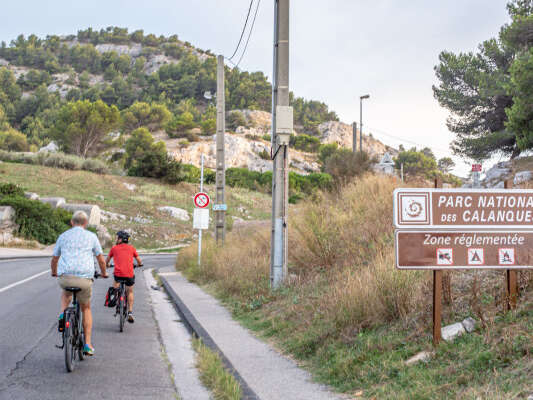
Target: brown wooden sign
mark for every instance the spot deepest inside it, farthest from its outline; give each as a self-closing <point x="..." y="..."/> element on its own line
<point x="416" y="249"/>
<point x="463" y="208"/>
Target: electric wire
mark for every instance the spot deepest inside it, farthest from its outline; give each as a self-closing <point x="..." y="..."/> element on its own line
<point x="249" y="34"/>
<point x="243" y="30"/>
<point x="406" y="140"/>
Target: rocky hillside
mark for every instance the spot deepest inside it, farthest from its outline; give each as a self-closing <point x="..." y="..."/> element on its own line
<point x="247" y="147"/>
<point x="40" y="77"/>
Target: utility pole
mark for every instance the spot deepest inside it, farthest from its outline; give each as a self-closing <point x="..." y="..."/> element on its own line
<point x="366" y="96"/>
<point x="220" y="217"/>
<point x="354" y="144"/>
<point x="282" y="125"/>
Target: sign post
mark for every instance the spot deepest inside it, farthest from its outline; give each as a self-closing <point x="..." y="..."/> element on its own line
<point x="201" y="212"/>
<point x="437" y="295"/>
<point x="511" y="276"/>
<point x="448" y="229"/>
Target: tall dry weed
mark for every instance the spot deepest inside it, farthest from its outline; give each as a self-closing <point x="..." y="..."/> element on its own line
<point x="341" y="249"/>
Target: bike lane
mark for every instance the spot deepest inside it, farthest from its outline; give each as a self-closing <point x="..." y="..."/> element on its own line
<point x="127" y="365"/>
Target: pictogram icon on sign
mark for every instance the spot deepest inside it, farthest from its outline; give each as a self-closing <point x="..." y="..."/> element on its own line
<point x="476" y="257"/>
<point x="444" y="256"/>
<point x="414" y="208"/>
<point x="506" y="256"/>
<point x="201" y="200"/>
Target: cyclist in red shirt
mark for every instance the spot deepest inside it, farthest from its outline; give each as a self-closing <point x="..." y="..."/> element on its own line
<point x="123" y="254"/>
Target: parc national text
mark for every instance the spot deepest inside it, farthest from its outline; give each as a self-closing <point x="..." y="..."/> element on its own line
<point x="486" y="208"/>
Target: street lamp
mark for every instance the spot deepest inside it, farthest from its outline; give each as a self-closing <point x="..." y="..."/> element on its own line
<point x="366" y="96"/>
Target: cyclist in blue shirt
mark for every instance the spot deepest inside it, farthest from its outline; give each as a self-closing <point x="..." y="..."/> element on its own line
<point x="73" y="262"/>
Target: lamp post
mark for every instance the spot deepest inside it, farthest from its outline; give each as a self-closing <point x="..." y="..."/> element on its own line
<point x="366" y="96"/>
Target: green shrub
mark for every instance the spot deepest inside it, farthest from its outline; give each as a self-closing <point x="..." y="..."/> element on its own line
<point x="236" y="119"/>
<point x="65" y="161"/>
<point x="9" y="189"/>
<point x="95" y="165"/>
<point x="343" y="165"/>
<point x="265" y="155"/>
<point x="56" y="160"/>
<point x="305" y="143"/>
<point x="36" y="220"/>
<point x="13" y="140"/>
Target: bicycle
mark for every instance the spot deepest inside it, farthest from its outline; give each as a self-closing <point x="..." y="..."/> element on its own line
<point x="122" y="301"/>
<point x="73" y="336"/>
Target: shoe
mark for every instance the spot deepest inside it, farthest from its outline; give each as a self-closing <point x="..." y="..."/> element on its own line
<point x="88" y="350"/>
<point x="131" y="320"/>
<point x="61" y="323"/>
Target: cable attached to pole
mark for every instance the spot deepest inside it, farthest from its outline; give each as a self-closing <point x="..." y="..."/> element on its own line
<point x="243" y="30"/>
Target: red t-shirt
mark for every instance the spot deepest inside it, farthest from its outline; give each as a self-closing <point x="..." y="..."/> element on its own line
<point x="123" y="254"/>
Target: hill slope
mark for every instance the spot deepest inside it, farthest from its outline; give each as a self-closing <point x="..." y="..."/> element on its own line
<point x="136" y="207"/>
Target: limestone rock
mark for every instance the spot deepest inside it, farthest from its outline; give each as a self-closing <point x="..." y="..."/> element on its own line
<point x="522" y="177"/>
<point x="450" y="332"/>
<point x="130" y="186"/>
<point x="469" y="324"/>
<point x="51" y="147"/>
<point x="240" y="152"/>
<point x="133" y="50"/>
<point x="111" y="216"/>
<point x="104" y="236"/>
<point x="55" y="202"/>
<point x="423" y="356"/>
<point x="7" y="216"/>
<point x="175" y="212"/>
<point x="31" y="195"/>
<point x="92" y="211"/>
<point x="342" y="134"/>
<point x="497" y="174"/>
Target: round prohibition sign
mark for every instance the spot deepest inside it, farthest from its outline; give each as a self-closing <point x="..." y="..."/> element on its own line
<point x="201" y="200"/>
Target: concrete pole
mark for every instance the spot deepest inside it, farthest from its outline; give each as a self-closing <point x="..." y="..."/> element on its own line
<point x="361" y="124"/>
<point x="220" y="215"/>
<point x="280" y="179"/>
<point x="354" y="144"/>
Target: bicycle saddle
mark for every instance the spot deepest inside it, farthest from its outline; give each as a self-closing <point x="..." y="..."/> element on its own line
<point x="73" y="289"/>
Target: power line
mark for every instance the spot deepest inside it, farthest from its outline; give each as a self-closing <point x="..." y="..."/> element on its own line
<point x="243" y="30"/>
<point x="249" y="33"/>
<point x="406" y="140"/>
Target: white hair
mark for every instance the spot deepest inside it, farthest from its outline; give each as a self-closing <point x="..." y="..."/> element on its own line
<point x="79" y="218"/>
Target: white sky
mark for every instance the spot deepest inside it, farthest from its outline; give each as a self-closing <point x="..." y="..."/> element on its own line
<point x="340" y="49"/>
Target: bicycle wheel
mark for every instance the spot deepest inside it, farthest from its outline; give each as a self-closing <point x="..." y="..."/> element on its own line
<point x="121" y="312"/>
<point x="69" y="343"/>
<point x="81" y="343"/>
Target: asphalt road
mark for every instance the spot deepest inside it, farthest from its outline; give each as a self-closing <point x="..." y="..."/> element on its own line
<point x="128" y="365"/>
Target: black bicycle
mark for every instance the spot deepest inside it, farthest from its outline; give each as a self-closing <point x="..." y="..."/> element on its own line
<point x="73" y="336"/>
<point x="122" y="300"/>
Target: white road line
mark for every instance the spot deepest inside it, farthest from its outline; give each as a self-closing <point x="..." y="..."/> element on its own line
<point x="23" y="281"/>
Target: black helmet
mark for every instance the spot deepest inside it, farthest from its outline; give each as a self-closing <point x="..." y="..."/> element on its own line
<point x="124" y="236"/>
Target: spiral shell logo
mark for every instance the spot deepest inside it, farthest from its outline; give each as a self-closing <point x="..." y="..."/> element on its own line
<point x="414" y="208"/>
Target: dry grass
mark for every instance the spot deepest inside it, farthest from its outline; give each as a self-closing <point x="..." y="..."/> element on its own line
<point x="353" y="318"/>
<point x="341" y="263"/>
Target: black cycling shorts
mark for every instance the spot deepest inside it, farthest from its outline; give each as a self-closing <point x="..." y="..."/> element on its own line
<point x="127" y="281"/>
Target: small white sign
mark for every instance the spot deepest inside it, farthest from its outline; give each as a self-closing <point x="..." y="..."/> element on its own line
<point x="476" y="257"/>
<point x="506" y="256"/>
<point x="200" y="218"/>
<point x="444" y="256"/>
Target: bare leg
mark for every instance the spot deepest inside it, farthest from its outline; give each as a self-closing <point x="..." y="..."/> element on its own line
<point x="130" y="298"/>
<point x="66" y="298"/>
<point x="87" y="322"/>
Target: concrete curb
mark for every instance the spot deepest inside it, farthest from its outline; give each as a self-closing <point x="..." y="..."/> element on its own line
<point x="196" y="329"/>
